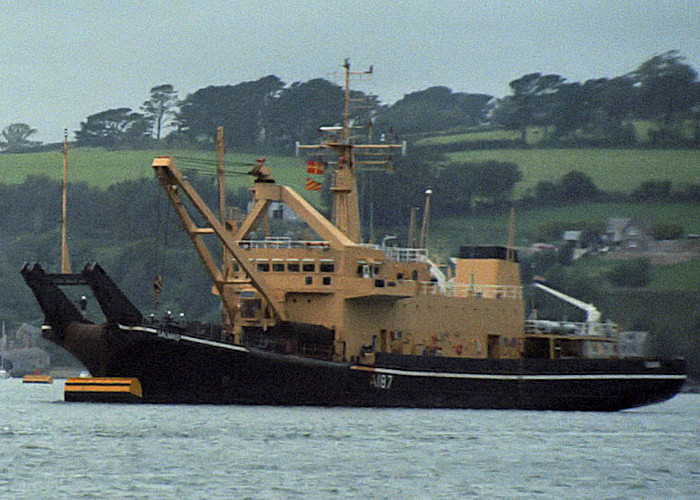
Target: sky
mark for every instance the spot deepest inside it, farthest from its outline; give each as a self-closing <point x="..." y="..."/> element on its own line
<point x="63" y="60"/>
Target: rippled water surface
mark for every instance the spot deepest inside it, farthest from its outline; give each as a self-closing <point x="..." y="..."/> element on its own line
<point x="52" y="449"/>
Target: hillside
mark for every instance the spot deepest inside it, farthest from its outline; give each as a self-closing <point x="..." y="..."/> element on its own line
<point x="101" y="168"/>
<point x="611" y="169"/>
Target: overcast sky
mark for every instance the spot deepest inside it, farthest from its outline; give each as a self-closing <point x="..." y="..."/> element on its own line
<point x="64" y="60"/>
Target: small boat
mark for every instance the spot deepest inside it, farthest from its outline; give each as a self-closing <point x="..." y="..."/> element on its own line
<point x="37" y="379"/>
<point x="3" y="343"/>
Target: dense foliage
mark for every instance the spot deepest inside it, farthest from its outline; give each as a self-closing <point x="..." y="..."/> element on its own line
<point x="269" y="115"/>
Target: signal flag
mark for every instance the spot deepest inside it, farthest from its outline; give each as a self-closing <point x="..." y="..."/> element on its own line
<point x="314" y="167"/>
<point x="312" y="185"/>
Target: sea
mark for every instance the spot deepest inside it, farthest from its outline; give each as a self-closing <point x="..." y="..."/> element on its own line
<point x="50" y="449"/>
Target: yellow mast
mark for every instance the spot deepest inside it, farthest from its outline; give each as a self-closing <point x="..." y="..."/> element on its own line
<point x="65" y="259"/>
<point x="220" y="149"/>
<point x="426" y="218"/>
<point x="510" y="253"/>
<point x="412" y="229"/>
<point x="346" y="210"/>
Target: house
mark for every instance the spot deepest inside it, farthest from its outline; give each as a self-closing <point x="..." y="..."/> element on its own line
<point x="572" y="238"/>
<point x="624" y="233"/>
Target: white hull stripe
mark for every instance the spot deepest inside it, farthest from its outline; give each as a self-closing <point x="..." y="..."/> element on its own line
<point x="177" y="337"/>
<point x="486" y="376"/>
<point x="213" y="343"/>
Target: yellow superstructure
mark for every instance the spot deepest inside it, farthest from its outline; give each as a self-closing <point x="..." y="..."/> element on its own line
<point x="332" y="296"/>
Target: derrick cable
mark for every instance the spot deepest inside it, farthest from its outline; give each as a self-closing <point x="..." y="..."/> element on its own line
<point x="209" y="166"/>
<point x="210" y="171"/>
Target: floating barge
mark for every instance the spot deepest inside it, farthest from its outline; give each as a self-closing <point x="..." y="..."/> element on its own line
<point x="37" y="379"/>
<point x="103" y="390"/>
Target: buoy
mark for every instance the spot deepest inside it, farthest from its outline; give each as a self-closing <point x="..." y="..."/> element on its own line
<point x="37" y="379"/>
<point x="103" y="390"/>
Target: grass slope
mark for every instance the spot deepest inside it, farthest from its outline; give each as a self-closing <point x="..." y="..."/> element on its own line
<point x="101" y="168"/>
<point x="611" y="169"/>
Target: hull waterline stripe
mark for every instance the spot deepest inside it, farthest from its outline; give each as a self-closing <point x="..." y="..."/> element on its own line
<point x="177" y="337"/>
<point x="486" y="376"/>
<point x="214" y="343"/>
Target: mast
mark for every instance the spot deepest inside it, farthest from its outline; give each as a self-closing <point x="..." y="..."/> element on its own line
<point x="426" y="218"/>
<point x="510" y="253"/>
<point x="221" y="150"/>
<point x="412" y="229"/>
<point x="65" y="259"/>
<point x="349" y="156"/>
<point x="3" y="341"/>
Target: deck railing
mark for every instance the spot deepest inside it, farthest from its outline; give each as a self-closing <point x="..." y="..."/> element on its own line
<point x="282" y="243"/>
<point x="607" y="329"/>
<point x="479" y="291"/>
<point x="402" y="254"/>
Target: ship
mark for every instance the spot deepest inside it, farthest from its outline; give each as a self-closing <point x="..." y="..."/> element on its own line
<point x="329" y="320"/>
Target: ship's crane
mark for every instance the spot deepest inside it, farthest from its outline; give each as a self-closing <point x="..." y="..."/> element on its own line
<point x="176" y="186"/>
<point x="592" y="313"/>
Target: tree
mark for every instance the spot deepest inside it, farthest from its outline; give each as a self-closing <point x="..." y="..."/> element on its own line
<point x="573" y="187"/>
<point x="16" y="137"/>
<point x="460" y="184"/>
<point x="432" y="109"/>
<point x="610" y="103"/>
<point x="237" y="108"/>
<point x="532" y="100"/>
<point x="577" y="186"/>
<point x="653" y="190"/>
<point x="112" y="128"/>
<point x="300" y="109"/>
<point x="665" y="86"/>
<point x="632" y="273"/>
<point x="160" y="107"/>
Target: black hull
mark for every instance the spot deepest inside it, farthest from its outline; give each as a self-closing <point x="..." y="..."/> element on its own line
<point x="176" y="366"/>
<point x="180" y="369"/>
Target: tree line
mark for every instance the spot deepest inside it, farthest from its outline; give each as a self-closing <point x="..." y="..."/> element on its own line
<point x="663" y="90"/>
<point x="267" y="115"/>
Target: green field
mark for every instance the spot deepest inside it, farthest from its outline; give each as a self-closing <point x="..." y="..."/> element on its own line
<point x="642" y="130"/>
<point x="482" y="135"/>
<point x="102" y="168"/>
<point x="682" y="276"/>
<point x="611" y="169"/>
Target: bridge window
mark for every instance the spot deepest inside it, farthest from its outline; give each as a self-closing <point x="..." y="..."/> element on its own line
<point x="278" y="266"/>
<point x="293" y="266"/>
<point x="308" y="266"/>
<point x="264" y="266"/>
<point x="327" y="266"/>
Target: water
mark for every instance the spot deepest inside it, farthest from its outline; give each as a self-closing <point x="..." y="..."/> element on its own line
<point x="52" y="449"/>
